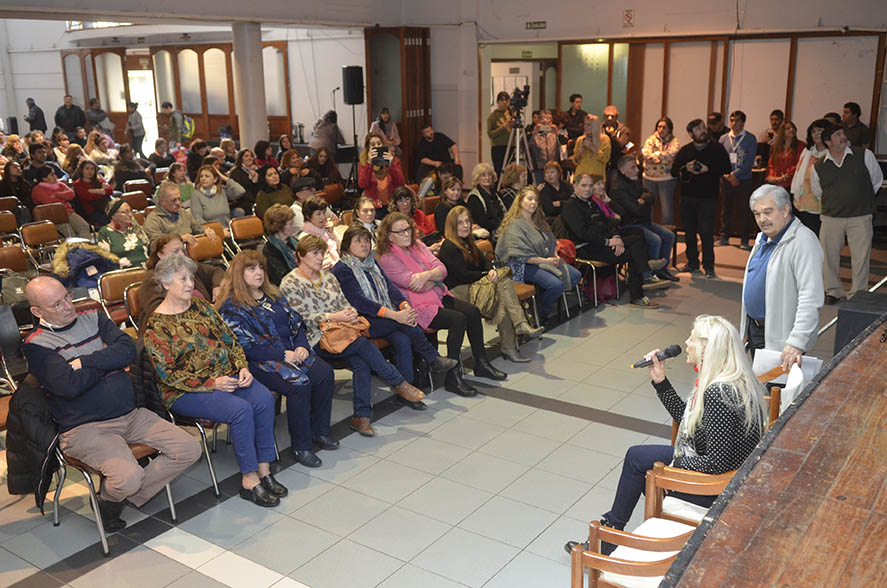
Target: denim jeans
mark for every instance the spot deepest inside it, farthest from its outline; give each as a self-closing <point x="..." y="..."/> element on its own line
<point x="364" y="358"/>
<point x="632" y="482"/>
<point x="308" y="406"/>
<point x="552" y="285"/>
<point x="249" y="412"/>
<point x="664" y="192"/>
<point x="403" y="340"/>
<point x="660" y="240"/>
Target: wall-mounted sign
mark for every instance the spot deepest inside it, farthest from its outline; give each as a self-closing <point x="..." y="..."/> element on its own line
<point x="628" y="18"/>
<point x="526" y="54"/>
<point x="533" y="25"/>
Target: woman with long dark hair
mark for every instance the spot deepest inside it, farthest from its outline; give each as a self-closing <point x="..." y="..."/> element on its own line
<point x="785" y="153"/>
<point x="466" y="265"/>
<point x="387" y="128"/>
<point x="264" y="155"/>
<point x="246" y="173"/>
<point x="808" y="204"/>
<point x="93" y="193"/>
<point x="322" y="167"/>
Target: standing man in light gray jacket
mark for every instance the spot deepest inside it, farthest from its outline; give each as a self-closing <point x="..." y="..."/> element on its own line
<point x="782" y="289"/>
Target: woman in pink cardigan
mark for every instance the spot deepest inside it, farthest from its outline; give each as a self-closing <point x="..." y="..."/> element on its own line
<point x="419" y="275"/>
<point x="49" y="190"/>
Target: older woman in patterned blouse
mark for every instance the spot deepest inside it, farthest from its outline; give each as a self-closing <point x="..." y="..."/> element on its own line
<point x="316" y="295"/>
<point x="203" y="373"/>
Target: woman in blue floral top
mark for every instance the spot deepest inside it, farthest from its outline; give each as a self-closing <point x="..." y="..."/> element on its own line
<point x="273" y="337"/>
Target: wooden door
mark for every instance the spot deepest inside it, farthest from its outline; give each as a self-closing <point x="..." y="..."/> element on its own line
<point x="398" y="65"/>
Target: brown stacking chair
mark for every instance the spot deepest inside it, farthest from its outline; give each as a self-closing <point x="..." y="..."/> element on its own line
<point x="138" y="185"/>
<point x="8" y="203"/>
<point x="332" y="193"/>
<point x="429" y="203"/>
<point x="112" y="288"/>
<point x="139" y="451"/>
<point x="13" y="258"/>
<point x="40" y="240"/>
<point x="206" y="250"/>
<point x="160" y="174"/>
<point x="138" y="216"/>
<point x="247" y="232"/>
<point x="136" y="199"/>
<point x="347" y="217"/>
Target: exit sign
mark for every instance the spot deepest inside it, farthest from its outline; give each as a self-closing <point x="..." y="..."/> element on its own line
<point x="526" y="54"/>
<point x="536" y="25"/>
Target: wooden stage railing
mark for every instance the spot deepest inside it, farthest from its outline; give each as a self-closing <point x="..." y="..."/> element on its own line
<point x="809" y="507"/>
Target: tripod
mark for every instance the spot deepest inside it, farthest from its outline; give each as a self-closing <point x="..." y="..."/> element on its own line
<point x="517" y="139"/>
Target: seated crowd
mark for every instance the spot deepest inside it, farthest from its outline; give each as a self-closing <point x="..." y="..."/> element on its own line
<point x="371" y="295"/>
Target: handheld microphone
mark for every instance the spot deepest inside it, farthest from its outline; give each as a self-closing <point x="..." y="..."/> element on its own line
<point x="670" y="351"/>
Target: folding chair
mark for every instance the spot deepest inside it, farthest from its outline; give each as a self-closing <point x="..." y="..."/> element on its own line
<point x="139" y="451"/>
<point x="347" y="217"/>
<point x="138" y="216"/>
<point x="13" y="258"/>
<point x="8" y="226"/>
<point x="57" y="214"/>
<point x="131" y="301"/>
<point x="112" y="289"/>
<point x="429" y="203"/>
<point x="247" y="232"/>
<point x="593" y="265"/>
<point x="160" y="174"/>
<point x="333" y="193"/>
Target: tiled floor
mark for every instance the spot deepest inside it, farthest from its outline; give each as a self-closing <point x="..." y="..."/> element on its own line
<point x="478" y="492"/>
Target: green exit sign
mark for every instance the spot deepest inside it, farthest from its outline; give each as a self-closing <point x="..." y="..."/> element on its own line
<point x="526" y="55"/>
<point x="536" y="25"/>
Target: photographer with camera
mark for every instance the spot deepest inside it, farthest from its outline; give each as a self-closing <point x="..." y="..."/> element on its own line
<point x="699" y="166"/>
<point x="379" y="172"/>
<point x="499" y="124"/>
<point x="544" y="145"/>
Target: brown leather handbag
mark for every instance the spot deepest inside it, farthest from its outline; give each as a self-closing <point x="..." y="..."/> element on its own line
<point x="337" y="336"/>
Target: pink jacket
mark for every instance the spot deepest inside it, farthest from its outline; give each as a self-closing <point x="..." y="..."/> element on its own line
<point x="400" y="265"/>
<point x="44" y="193"/>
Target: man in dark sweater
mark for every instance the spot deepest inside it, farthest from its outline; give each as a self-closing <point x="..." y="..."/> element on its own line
<point x="597" y="237"/>
<point x="434" y="150"/>
<point x="69" y="116"/>
<point x="847" y="180"/>
<point x="37" y="152"/>
<point x="700" y="166"/>
<point x="35" y="116"/>
<point x="82" y="359"/>
<point x="575" y="117"/>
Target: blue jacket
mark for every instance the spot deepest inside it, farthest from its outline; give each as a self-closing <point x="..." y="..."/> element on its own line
<point x="745" y="148"/>
<point x="356" y="297"/>
<point x="255" y="330"/>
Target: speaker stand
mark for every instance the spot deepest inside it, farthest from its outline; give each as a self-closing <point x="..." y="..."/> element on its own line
<point x="352" y="190"/>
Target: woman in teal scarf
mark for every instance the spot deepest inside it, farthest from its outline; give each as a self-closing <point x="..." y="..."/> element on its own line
<point x="377" y="299"/>
<point x="280" y="252"/>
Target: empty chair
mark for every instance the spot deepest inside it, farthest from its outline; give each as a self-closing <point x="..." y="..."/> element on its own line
<point x="429" y="203"/>
<point x="160" y="174"/>
<point x="247" y="232"/>
<point x="332" y="193"/>
<point x="13" y="258"/>
<point x="136" y="199"/>
<point x="138" y="185"/>
<point x="205" y="250"/>
<point x="40" y="240"/>
<point x="56" y="213"/>
<point x="112" y="286"/>
<point x="8" y="226"/>
<point x="8" y="203"/>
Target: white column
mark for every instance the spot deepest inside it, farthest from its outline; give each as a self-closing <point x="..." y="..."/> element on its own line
<point x="249" y="83"/>
<point x="8" y="107"/>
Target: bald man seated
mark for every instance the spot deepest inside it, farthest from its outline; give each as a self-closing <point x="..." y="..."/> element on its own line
<point x="81" y="360"/>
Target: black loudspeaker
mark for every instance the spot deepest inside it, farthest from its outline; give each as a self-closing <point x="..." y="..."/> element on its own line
<point x="856" y="314"/>
<point x="352" y="84"/>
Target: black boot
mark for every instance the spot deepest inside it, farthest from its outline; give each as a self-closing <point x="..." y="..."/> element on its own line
<point x="455" y="384"/>
<point x="110" y="513"/>
<point x="484" y="369"/>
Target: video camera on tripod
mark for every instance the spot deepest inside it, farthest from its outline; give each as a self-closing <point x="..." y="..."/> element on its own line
<point x="518" y="102"/>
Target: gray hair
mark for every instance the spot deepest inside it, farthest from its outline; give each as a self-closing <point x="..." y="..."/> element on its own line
<point x="779" y="195"/>
<point x="578" y="178"/>
<point x="165" y="188"/>
<point x="169" y="266"/>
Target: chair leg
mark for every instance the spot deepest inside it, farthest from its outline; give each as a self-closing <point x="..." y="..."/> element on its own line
<point x="566" y="304"/>
<point x="172" y="504"/>
<point x="276" y="451"/>
<point x="60" y="475"/>
<point x="215" y="431"/>
<point x="94" y="501"/>
<point x="535" y="311"/>
<point x="227" y="434"/>
<point x="209" y="460"/>
<point x="579" y="293"/>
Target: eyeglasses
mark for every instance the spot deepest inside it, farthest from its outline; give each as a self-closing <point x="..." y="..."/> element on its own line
<point x="403" y="231"/>
<point x="57" y="306"/>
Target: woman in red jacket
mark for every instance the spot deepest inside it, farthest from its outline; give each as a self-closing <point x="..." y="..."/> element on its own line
<point x="784" y="155"/>
<point x="92" y="192"/>
<point x="49" y="190"/>
<point x="378" y="175"/>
